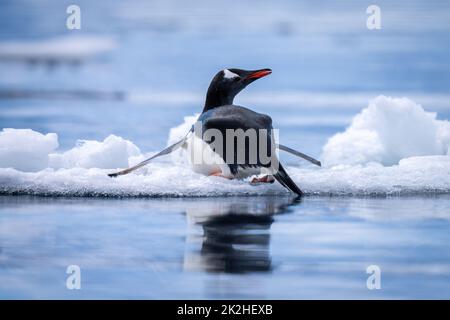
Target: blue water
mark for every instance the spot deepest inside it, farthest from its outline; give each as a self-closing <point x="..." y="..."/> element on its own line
<point x="261" y="247"/>
<point x="225" y="248"/>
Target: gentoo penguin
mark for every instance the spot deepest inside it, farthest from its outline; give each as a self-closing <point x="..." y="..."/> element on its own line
<point x="222" y="119"/>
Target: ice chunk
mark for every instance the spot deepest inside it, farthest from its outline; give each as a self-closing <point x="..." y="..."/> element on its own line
<point x="25" y="149"/>
<point x="176" y="134"/>
<point x="416" y="175"/>
<point x="28" y="150"/>
<point x="388" y="130"/>
<point x="113" y="152"/>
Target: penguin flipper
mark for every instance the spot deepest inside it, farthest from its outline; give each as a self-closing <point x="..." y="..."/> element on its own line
<point x="286" y="181"/>
<point x="299" y="154"/>
<point x="167" y="150"/>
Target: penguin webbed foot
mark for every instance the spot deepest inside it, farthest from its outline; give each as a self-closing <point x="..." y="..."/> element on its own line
<point x="219" y="174"/>
<point x="262" y="179"/>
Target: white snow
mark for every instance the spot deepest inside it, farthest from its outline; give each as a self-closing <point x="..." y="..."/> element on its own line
<point x="393" y="147"/>
<point x="25" y="149"/>
<point x="176" y="134"/>
<point x="113" y="152"/>
<point x="28" y="150"/>
<point x="418" y="175"/>
<point x="387" y="131"/>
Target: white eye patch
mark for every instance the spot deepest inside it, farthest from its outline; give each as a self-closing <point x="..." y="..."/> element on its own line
<point x="229" y="75"/>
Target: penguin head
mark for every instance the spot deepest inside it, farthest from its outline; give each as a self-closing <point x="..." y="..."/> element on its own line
<point x="227" y="83"/>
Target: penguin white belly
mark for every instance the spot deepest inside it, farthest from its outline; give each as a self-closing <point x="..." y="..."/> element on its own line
<point x="204" y="160"/>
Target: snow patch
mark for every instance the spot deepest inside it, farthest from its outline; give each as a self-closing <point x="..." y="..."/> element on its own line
<point x="28" y="150"/>
<point x="176" y="134"/>
<point x="388" y="130"/>
<point x="113" y="152"/>
<point x="419" y="175"/>
<point x="25" y="149"/>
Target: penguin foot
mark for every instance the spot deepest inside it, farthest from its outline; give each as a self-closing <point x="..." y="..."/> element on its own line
<point x="219" y="174"/>
<point x="262" y="179"/>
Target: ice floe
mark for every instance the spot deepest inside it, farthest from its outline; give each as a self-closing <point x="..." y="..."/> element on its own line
<point x="392" y="147"/>
<point x="388" y="130"/>
<point x="113" y="152"/>
<point x="25" y="149"/>
<point x="58" y="49"/>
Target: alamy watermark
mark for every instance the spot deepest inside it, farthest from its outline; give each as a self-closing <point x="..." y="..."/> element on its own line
<point x="373" y="22"/>
<point x="374" y="280"/>
<point x="234" y="146"/>
<point x="73" y="281"/>
<point x="73" y="21"/>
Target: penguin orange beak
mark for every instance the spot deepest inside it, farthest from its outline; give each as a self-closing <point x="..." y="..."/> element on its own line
<point x="259" y="74"/>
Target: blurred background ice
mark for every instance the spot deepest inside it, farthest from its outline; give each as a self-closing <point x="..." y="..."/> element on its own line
<point x="136" y="68"/>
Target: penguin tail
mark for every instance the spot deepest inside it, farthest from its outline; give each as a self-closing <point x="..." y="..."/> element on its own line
<point x="286" y="181"/>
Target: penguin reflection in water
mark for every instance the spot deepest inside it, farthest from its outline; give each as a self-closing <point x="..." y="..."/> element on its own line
<point x="230" y="158"/>
<point x="236" y="233"/>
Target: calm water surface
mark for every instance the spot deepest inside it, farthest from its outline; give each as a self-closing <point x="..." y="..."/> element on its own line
<point x="220" y="248"/>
